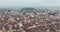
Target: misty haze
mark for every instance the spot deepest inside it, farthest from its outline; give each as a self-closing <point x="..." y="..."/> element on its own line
<point x="29" y="15"/>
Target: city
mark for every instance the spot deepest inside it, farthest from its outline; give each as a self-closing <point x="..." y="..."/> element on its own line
<point x="30" y="20"/>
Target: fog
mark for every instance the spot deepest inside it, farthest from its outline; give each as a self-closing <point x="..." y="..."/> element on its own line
<point x="29" y="3"/>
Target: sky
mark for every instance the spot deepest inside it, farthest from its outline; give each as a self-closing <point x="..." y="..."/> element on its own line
<point x="29" y="3"/>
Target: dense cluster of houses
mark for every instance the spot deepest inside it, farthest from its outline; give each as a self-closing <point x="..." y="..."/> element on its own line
<point x="29" y="22"/>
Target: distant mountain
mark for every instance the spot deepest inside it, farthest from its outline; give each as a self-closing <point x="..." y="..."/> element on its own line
<point x="5" y="10"/>
<point x="27" y="9"/>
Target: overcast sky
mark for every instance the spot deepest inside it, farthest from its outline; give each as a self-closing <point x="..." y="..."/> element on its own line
<point x="29" y="3"/>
